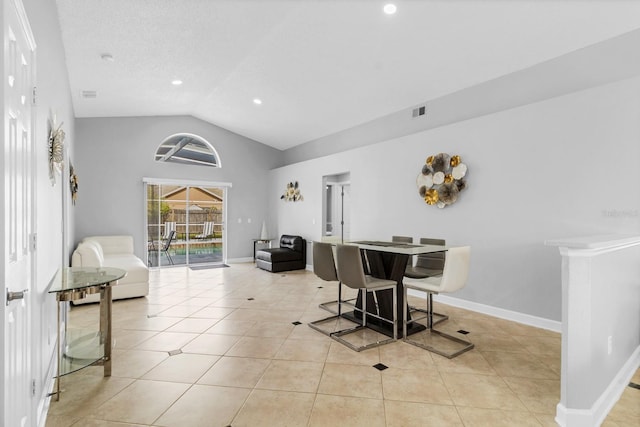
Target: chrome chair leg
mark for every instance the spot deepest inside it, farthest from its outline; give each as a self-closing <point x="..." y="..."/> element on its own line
<point x="339" y="334"/>
<point x="465" y="345"/>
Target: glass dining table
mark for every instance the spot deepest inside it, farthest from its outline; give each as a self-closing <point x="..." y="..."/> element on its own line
<point x="387" y="260"/>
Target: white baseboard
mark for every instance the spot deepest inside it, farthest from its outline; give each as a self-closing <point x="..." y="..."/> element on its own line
<point x="595" y="416"/>
<point x="45" y="398"/>
<point x="239" y="260"/>
<point x="526" y="319"/>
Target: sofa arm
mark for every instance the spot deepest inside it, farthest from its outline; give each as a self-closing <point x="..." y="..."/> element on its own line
<point x="86" y="255"/>
<point x="113" y="244"/>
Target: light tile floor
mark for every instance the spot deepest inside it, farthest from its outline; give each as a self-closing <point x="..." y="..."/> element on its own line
<point x="242" y="362"/>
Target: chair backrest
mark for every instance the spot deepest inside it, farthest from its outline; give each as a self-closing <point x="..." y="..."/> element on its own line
<point x="295" y="243"/>
<point x="168" y="228"/>
<point x="349" y="266"/>
<point x="207" y="228"/>
<point x="167" y="243"/>
<point x="456" y="269"/>
<point x="402" y="239"/>
<point x="432" y="261"/>
<point x="324" y="265"/>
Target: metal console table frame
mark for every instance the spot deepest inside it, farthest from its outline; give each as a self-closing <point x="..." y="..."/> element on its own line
<point x="74" y="283"/>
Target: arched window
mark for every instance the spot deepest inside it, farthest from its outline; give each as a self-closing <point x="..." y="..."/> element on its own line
<point x="188" y="149"/>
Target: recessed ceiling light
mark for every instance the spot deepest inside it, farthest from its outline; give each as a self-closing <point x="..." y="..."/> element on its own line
<point x="389" y="8"/>
<point x="176" y="82"/>
<point x="257" y="101"/>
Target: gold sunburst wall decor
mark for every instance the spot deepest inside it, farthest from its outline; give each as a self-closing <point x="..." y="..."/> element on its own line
<point x="56" y="149"/>
<point x="441" y="179"/>
<point x="292" y="193"/>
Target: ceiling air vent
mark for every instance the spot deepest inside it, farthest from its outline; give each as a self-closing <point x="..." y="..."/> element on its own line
<point x="419" y="111"/>
<point x="88" y="94"/>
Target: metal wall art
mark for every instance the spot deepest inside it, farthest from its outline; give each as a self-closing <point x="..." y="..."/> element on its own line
<point x="442" y="179"/>
<point x="73" y="183"/>
<point x="292" y="193"/>
<point x="56" y="149"/>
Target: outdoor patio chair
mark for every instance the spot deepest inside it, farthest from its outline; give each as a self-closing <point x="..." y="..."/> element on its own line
<point x="207" y="230"/>
<point x="167" y="245"/>
<point x="168" y="228"/>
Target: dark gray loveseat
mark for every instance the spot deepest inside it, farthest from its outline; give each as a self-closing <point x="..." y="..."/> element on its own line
<point x="291" y="255"/>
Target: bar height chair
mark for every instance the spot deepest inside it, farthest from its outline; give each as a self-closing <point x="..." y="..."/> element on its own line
<point x="453" y="278"/>
<point x="428" y="265"/>
<point x="326" y="270"/>
<point x="351" y="273"/>
<point x="402" y="239"/>
<point x="324" y="267"/>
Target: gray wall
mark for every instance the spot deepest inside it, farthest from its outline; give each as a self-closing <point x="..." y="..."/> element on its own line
<point x="604" y="62"/>
<point x="562" y="167"/>
<point x="113" y="155"/>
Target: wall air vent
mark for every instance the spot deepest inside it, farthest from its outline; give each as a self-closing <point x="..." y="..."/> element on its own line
<point x="419" y="111"/>
<point x="88" y="94"/>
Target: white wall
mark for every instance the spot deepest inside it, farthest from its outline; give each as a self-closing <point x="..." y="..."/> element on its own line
<point x="53" y="98"/>
<point x="566" y="166"/>
<point x="114" y="154"/>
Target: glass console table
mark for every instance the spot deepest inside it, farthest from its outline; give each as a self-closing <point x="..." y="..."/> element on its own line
<point x="83" y="348"/>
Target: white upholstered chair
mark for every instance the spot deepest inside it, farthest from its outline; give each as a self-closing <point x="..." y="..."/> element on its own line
<point x="428" y="265"/>
<point x="453" y="278"/>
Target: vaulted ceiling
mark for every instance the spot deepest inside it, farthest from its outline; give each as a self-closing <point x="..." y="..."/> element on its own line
<point x="318" y="66"/>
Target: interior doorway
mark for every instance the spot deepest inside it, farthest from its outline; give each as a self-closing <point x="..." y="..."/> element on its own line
<point x="185" y="223"/>
<point x="20" y="319"/>
<point x="336" y="200"/>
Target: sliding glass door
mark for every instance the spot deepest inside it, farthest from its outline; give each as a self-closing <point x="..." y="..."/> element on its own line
<point x="185" y="223"/>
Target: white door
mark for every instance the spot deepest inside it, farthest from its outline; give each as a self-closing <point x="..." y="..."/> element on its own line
<point x="346" y="211"/>
<point x="17" y="192"/>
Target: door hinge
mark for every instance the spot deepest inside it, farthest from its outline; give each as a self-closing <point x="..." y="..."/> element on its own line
<point x="35" y="95"/>
<point x="34" y="242"/>
<point x="33" y="387"/>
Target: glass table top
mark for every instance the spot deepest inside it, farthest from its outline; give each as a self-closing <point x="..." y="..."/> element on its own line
<point x="79" y="278"/>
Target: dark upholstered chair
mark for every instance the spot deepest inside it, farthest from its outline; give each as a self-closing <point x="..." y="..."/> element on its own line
<point x="427" y="265"/>
<point x="291" y="255"/>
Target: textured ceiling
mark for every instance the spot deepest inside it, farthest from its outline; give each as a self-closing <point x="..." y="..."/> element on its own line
<point x="318" y="66"/>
